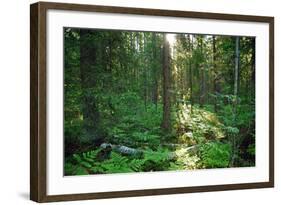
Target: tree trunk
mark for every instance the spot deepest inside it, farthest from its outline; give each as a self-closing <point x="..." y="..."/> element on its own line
<point x="236" y="69"/>
<point x="253" y="72"/>
<point x="166" y="123"/>
<point x="236" y="84"/>
<point x="145" y="73"/>
<point x="89" y="73"/>
<point x="155" y="71"/>
<point x="190" y="71"/>
<point x="215" y="74"/>
<point x="202" y="75"/>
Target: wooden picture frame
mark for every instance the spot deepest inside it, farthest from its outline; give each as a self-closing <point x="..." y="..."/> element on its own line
<point x="39" y="103"/>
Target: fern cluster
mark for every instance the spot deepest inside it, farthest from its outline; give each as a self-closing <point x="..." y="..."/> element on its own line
<point x="198" y="128"/>
<point x="90" y="163"/>
<point x="196" y="125"/>
<point x="215" y="155"/>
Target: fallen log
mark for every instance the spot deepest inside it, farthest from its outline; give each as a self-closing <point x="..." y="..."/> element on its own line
<point x="124" y="150"/>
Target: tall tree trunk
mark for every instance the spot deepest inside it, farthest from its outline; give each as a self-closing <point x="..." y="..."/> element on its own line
<point x="236" y="69"/>
<point x="155" y="71"/>
<point x="216" y="86"/>
<point x="202" y="76"/>
<point x="166" y="123"/>
<point x="236" y="88"/>
<point x="89" y="73"/>
<point x="203" y="86"/>
<point x="253" y="71"/>
<point x="145" y="73"/>
<point x="190" y="71"/>
<point x="137" y="60"/>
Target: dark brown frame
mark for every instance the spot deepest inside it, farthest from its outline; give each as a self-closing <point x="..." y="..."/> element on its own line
<point x="38" y="95"/>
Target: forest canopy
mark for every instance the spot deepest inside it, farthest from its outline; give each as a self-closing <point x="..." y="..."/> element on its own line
<point x="149" y="101"/>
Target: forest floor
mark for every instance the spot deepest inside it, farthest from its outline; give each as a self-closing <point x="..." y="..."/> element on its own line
<point x="198" y="140"/>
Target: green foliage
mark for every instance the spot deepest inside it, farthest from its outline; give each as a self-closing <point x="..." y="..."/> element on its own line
<point x="135" y="126"/>
<point x="71" y="169"/>
<point x="197" y="125"/>
<point x="114" y="94"/>
<point x="146" y="137"/>
<point x="186" y="159"/>
<point x="73" y="128"/>
<point x="251" y="149"/>
<point x="116" y="164"/>
<point x="156" y="160"/>
<point x="90" y="163"/>
<point x="215" y="155"/>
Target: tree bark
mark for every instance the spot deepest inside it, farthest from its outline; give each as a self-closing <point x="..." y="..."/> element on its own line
<point x="216" y="86"/>
<point x="202" y="75"/>
<point x="155" y="71"/>
<point x="145" y="73"/>
<point x="166" y="123"/>
<point x="190" y="71"/>
<point x="89" y="72"/>
<point x="253" y="72"/>
<point x="236" y="69"/>
<point x="236" y="84"/>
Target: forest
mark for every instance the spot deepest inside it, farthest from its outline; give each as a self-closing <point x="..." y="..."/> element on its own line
<point x="149" y="101"/>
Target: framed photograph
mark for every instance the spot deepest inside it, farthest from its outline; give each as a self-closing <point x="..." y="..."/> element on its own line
<point x="135" y="102"/>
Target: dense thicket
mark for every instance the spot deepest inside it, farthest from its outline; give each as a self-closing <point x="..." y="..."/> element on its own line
<point x="145" y="101"/>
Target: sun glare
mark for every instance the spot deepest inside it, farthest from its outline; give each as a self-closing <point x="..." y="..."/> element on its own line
<point x="171" y="39"/>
